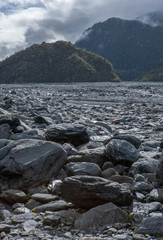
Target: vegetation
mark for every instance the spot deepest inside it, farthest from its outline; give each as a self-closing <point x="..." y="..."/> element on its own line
<point x="132" y="46"/>
<point x="153" y="76"/>
<point x="55" y="62"/>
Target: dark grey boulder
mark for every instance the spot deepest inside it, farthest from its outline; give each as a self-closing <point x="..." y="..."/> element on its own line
<point x="68" y="133"/>
<point x="159" y="173"/>
<point x="101" y="215"/>
<point x="88" y="192"/>
<point x="121" y="152"/>
<point x="82" y="168"/>
<point x="129" y="138"/>
<point x="141" y="187"/>
<point x="96" y="155"/>
<point x="4" y="131"/>
<point x="144" y="166"/>
<point x="151" y="225"/>
<point x="14" y="196"/>
<point x="107" y="173"/>
<point x="27" y="163"/>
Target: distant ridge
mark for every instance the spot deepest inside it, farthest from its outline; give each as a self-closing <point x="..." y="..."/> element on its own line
<point x="56" y="62"/>
<point x="132" y="46"/>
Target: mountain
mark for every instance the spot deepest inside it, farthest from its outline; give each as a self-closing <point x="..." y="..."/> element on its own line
<point x="152" y="18"/>
<point x="55" y="62"/>
<point x="132" y="46"/>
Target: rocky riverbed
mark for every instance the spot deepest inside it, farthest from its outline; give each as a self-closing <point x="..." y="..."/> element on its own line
<point x="81" y="161"/>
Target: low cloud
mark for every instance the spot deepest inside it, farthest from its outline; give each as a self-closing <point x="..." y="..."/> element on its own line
<point x="24" y="22"/>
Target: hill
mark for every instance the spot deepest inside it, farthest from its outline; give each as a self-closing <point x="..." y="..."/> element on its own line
<point x="132" y="46"/>
<point x="55" y="62"/>
<point x="155" y="75"/>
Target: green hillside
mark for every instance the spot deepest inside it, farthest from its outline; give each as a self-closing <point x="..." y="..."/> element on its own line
<point x="56" y="62"/>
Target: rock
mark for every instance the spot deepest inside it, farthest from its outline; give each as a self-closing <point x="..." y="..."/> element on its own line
<point x="141" y="187"/>
<point x="44" y="197"/>
<point x="31" y="162"/>
<point x="129" y="138"/>
<point x="150" y="145"/>
<point x="107" y="173"/>
<point x="53" y="206"/>
<point x="156" y="195"/>
<point x="68" y="133"/>
<point x="13" y="122"/>
<point x="29" y="225"/>
<point x="51" y="220"/>
<point x="99" y="216"/>
<point x="121" y="152"/>
<point x="151" y="225"/>
<point x="70" y="149"/>
<point x="82" y="168"/>
<point x="144" y="166"/>
<point x="107" y="165"/>
<point x="159" y="175"/>
<point x="54" y="187"/>
<point x="14" y="196"/>
<point x="4" y="213"/>
<point x="5" y="227"/>
<point x="20" y="218"/>
<point x="4" y="131"/>
<point x="96" y="155"/>
<point x="18" y="136"/>
<point x="136" y="219"/>
<point x="41" y="119"/>
<point x="88" y="192"/>
<point x="121" y="179"/>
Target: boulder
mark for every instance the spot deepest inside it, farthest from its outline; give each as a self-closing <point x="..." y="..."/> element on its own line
<point x="121" y="152"/>
<point x="26" y="163"/>
<point x="101" y="215"/>
<point x="144" y="166"/>
<point x="152" y="225"/>
<point x="129" y="138"/>
<point x="13" y="122"/>
<point x="82" y="168"/>
<point x="14" y="196"/>
<point x="75" y="134"/>
<point x="4" y="131"/>
<point x="88" y="192"/>
<point x="159" y="175"/>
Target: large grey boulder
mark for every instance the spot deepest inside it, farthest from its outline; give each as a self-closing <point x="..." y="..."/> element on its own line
<point x="88" y="192"/>
<point x="152" y="225"/>
<point x="129" y="138"/>
<point x="75" y="134"/>
<point x="26" y="163"/>
<point x="101" y="215"/>
<point x="159" y="173"/>
<point x="121" y="152"/>
<point x="144" y="166"/>
<point x="82" y="168"/>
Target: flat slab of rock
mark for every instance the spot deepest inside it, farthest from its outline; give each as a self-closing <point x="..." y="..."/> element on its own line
<point x="68" y="133"/>
<point x="82" y="168"/>
<point x="105" y="214"/>
<point x="44" y="197"/>
<point x="121" y="152"/>
<point x="30" y="162"/>
<point x="88" y="192"/>
<point x="53" y="206"/>
<point x="152" y="225"/>
<point x="20" y="218"/>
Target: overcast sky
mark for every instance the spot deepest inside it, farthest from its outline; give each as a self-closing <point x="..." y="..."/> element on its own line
<point x="25" y="22"/>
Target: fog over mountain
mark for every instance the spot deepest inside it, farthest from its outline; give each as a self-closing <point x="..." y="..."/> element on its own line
<point x="24" y="22"/>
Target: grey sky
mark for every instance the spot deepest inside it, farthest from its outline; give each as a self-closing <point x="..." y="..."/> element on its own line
<point x="25" y="22"/>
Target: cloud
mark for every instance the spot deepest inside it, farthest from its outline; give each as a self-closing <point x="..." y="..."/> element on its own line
<point x="25" y="22"/>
